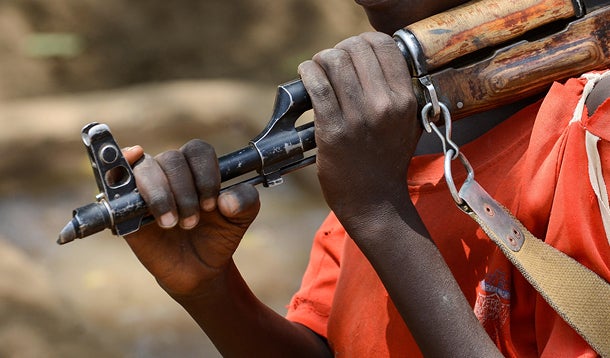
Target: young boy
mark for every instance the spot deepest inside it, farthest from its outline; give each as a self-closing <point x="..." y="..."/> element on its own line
<point x="396" y="268"/>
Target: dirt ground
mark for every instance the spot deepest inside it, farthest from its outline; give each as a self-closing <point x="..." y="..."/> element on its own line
<point x="159" y="73"/>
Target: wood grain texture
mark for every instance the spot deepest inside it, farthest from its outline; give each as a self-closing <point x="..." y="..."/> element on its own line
<point x="479" y="24"/>
<point x="525" y="68"/>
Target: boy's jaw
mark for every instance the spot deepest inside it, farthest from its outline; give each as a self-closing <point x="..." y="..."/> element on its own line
<point x="391" y="15"/>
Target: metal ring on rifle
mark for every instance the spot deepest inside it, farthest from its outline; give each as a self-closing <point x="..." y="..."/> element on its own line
<point x="430" y="94"/>
<point x="429" y="126"/>
<point x="449" y="177"/>
<point x="425" y="119"/>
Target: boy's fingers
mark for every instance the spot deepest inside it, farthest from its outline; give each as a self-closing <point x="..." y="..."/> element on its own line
<point x="133" y="154"/>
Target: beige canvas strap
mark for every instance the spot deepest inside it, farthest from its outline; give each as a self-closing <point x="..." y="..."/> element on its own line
<point x="579" y="295"/>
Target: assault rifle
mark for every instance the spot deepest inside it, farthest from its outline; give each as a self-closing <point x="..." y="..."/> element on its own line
<point x="475" y="57"/>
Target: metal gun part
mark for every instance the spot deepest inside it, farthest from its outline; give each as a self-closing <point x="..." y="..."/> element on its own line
<point x="277" y="150"/>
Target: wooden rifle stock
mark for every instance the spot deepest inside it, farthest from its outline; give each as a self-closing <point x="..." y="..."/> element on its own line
<point x="525" y="68"/>
<point x="478" y="24"/>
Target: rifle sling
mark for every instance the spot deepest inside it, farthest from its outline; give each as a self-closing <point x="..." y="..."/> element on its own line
<point x="577" y="294"/>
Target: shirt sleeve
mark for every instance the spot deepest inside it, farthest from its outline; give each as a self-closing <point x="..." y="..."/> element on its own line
<point x="312" y="303"/>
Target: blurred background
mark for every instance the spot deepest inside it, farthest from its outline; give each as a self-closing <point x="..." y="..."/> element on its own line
<point x="158" y="73"/>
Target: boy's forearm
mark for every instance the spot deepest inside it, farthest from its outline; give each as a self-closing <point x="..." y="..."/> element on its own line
<point x="240" y="325"/>
<point x="421" y="284"/>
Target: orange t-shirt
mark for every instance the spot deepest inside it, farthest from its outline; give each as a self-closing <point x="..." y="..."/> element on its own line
<point x="535" y="163"/>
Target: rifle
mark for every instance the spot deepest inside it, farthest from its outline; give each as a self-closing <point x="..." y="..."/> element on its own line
<point x="475" y="57"/>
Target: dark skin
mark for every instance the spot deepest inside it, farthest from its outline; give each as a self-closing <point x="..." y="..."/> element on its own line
<point x="361" y="98"/>
<point x="387" y="16"/>
<point x="598" y="95"/>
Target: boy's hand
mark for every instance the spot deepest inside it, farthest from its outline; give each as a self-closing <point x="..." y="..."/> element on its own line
<point x="198" y="231"/>
<point x="365" y="118"/>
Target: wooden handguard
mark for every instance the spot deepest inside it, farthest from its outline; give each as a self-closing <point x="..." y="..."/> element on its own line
<point x="525" y="68"/>
<point x="465" y="29"/>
